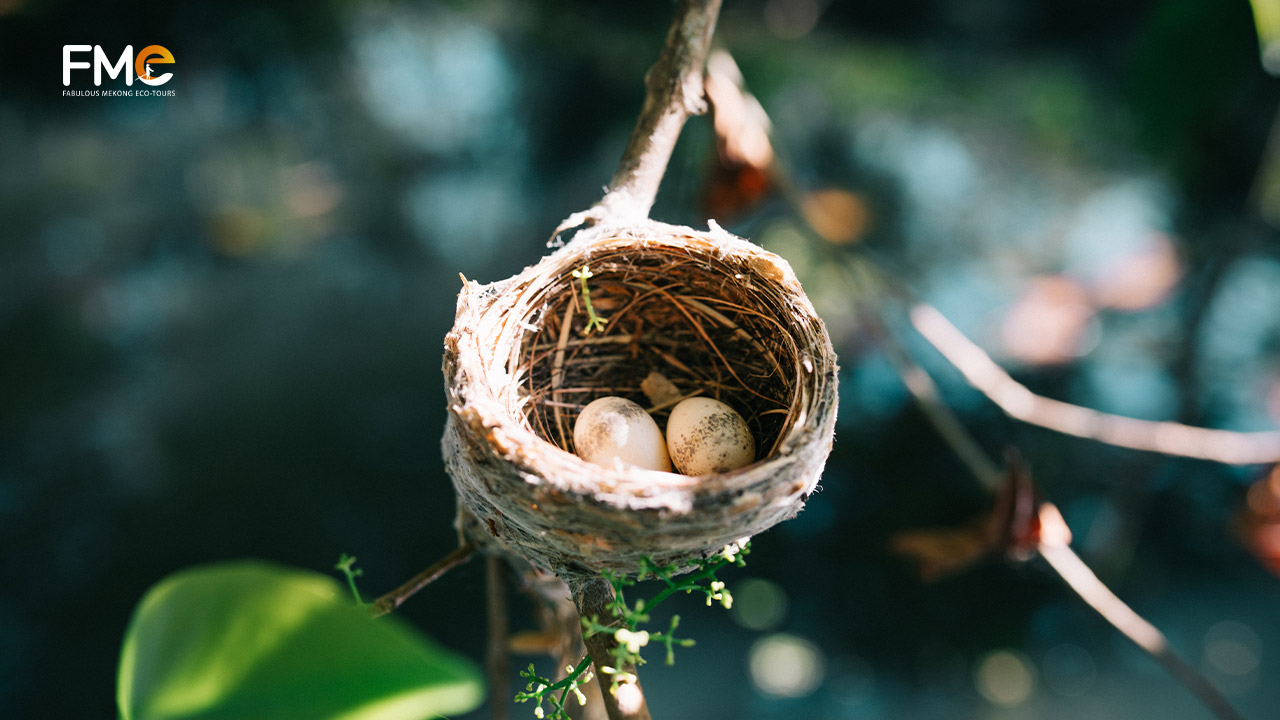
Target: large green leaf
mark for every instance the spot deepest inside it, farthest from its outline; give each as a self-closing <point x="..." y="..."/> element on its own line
<point x="1266" y="19"/>
<point x="249" y="640"/>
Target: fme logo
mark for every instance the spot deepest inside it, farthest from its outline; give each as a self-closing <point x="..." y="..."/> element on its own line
<point x="140" y="68"/>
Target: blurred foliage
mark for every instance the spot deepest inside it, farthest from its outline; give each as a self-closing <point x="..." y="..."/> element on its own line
<point x="1197" y="85"/>
<point x="1266" y="17"/>
<point x="244" y="640"/>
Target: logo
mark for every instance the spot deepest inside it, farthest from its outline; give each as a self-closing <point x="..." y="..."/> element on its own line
<point x="132" y="67"/>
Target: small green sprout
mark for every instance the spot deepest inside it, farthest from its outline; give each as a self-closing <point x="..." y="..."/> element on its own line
<point x="594" y="321"/>
<point x="347" y="564"/>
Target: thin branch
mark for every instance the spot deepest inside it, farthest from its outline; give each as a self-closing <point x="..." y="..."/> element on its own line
<point x="674" y="92"/>
<point x="1169" y="438"/>
<point x="928" y="399"/>
<point x="498" y="659"/>
<point x="1146" y="636"/>
<point x="592" y="598"/>
<point x="396" y="598"/>
<point x="1055" y="537"/>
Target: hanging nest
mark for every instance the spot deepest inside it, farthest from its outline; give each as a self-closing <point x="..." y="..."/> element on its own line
<point x="713" y="314"/>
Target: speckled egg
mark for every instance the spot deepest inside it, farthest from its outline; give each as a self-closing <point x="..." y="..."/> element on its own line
<point x="612" y="430"/>
<point x="707" y="436"/>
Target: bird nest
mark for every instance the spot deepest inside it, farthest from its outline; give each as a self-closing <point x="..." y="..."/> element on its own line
<point x="685" y="313"/>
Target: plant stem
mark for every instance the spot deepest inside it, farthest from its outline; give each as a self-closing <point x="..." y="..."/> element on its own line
<point x="593" y="597"/>
<point x="594" y="321"/>
<point x="346" y="564"/>
<point x="686" y="583"/>
<point x="396" y="598"/>
<point x="673" y="93"/>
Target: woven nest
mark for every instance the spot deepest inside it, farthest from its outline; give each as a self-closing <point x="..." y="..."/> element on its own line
<point x="713" y="314"/>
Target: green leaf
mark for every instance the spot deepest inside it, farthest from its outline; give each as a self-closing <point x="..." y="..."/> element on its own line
<point x="249" y="640"/>
<point x="1266" y="19"/>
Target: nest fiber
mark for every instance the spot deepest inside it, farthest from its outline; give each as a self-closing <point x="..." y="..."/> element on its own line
<point x="711" y="314"/>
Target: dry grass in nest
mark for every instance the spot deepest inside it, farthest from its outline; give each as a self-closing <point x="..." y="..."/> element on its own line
<point x="692" y="320"/>
<point x="714" y="314"/>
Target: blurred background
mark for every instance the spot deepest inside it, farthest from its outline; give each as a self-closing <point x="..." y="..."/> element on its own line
<point x="221" y="317"/>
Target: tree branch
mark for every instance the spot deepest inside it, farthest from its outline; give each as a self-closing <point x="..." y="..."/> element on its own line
<point x="396" y="598"/>
<point x="1169" y="438"/>
<point x="1146" y="636"/>
<point x="674" y="92"/>
<point x="1055" y="537"/>
<point x="592" y="597"/>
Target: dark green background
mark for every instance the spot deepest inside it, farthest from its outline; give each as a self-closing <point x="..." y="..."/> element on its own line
<point x="221" y="313"/>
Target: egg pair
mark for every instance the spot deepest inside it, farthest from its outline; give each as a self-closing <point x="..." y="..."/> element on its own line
<point x="704" y="436"/>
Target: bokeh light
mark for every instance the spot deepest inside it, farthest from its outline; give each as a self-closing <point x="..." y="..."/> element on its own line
<point x="785" y="665"/>
<point x="1232" y="654"/>
<point x="1004" y="677"/>
<point x="758" y="604"/>
<point x="1051" y="322"/>
<point x="791" y="19"/>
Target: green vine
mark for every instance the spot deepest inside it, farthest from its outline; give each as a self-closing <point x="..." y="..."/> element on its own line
<point x="594" y="321"/>
<point x="629" y="640"/>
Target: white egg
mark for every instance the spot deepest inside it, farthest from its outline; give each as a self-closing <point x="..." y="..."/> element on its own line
<point x="707" y="436"/>
<point x="613" y="429"/>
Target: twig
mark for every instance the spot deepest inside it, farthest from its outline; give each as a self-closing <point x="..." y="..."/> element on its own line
<point x="928" y="399"/>
<point x="1169" y="438"/>
<point x="1053" y="546"/>
<point x="396" y="598"/>
<point x="674" y="92"/>
<point x="1146" y="636"/>
<point x="592" y="598"/>
<point x="498" y="659"/>
<point x="1055" y="537"/>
